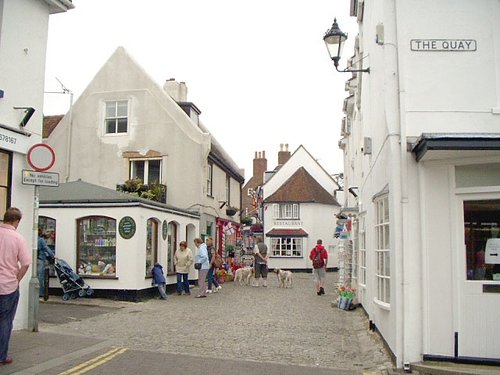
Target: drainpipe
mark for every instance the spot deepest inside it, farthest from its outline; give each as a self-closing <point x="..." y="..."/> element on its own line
<point x="406" y="327"/>
<point x="70" y="131"/>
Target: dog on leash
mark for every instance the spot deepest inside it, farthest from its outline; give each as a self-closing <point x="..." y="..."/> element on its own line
<point x="285" y="278"/>
<point x="243" y="275"/>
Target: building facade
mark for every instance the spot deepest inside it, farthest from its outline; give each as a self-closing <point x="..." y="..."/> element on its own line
<point x="421" y="148"/>
<point x="22" y="74"/>
<point x="125" y="127"/>
<point x="299" y="207"/>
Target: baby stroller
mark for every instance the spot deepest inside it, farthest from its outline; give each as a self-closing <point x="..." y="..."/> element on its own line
<point x="72" y="284"/>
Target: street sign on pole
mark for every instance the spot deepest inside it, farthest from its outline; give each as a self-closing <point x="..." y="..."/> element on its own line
<point x="41" y="157"/>
<point x="40" y="178"/>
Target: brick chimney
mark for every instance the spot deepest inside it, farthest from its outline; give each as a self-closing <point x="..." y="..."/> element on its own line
<point x="259" y="167"/>
<point x="283" y="154"/>
<point x="176" y="90"/>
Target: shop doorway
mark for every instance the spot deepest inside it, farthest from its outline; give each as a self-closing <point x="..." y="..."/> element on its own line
<point x="478" y="277"/>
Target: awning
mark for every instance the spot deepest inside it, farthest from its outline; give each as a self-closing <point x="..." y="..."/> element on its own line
<point x="438" y="146"/>
<point x="279" y="232"/>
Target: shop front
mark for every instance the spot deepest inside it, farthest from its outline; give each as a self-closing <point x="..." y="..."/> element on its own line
<point x="112" y="242"/>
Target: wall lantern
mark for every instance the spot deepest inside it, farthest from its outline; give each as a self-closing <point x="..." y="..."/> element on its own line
<point x="334" y="40"/>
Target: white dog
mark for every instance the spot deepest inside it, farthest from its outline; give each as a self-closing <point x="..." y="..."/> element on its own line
<point x="242" y="276"/>
<point x="285" y="278"/>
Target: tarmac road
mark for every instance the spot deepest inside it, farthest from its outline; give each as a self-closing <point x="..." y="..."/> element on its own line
<point x="240" y="330"/>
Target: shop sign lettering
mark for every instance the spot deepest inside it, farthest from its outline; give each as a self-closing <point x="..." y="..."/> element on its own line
<point x="443" y="45"/>
<point x="291" y="223"/>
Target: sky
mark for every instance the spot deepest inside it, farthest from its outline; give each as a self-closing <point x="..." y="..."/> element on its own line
<point x="258" y="70"/>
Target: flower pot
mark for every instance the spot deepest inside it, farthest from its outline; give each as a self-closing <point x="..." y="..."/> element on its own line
<point x="344" y="303"/>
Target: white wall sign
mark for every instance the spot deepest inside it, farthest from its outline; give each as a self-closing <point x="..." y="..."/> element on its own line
<point x="40" y="178"/>
<point x="13" y="141"/>
<point x="443" y="45"/>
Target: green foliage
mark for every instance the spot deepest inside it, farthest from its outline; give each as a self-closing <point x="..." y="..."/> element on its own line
<point x="137" y="188"/>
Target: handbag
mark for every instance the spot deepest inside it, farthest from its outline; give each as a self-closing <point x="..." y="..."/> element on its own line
<point x="197" y="266"/>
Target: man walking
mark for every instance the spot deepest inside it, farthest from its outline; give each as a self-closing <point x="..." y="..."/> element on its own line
<point x="15" y="259"/>
<point x="260" y="262"/>
<point x="319" y="257"/>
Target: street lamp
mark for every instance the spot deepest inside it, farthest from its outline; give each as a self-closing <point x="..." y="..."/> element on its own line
<point x="334" y="40"/>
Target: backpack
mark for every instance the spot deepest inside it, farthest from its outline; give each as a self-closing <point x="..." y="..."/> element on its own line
<point x="317" y="260"/>
<point x="218" y="260"/>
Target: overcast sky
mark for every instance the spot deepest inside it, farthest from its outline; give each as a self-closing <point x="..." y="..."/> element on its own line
<point x="258" y="70"/>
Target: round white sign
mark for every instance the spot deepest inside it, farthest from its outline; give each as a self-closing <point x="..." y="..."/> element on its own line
<point x="41" y="157"/>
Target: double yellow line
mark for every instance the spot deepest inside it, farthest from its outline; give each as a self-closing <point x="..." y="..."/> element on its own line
<point x="94" y="362"/>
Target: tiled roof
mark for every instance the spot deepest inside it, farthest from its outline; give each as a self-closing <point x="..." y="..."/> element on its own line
<point x="279" y="232"/>
<point x="82" y="193"/>
<point x="301" y="187"/>
<point x="49" y="124"/>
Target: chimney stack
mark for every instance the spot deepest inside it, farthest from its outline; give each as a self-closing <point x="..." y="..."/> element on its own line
<point x="259" y="167"/>
<point x="176" y="90"/>
<point x="283" y="154"/>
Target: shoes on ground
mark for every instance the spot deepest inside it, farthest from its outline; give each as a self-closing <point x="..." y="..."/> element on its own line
<point x="187" y="293"/>
<point x="318" y="293"/>
<point x="179" y="294"/>
<point x="200" y="297"/>
<point x="7" y="361"/>
<point x="321" y="290"/>
<point x="218" y="288"/>
<point x="209" y="291"/>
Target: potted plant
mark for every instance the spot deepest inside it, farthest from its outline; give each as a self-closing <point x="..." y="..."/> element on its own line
<point x="231" y="211"/>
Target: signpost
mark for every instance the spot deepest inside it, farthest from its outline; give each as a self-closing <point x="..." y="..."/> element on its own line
<point x="41" y="157"/>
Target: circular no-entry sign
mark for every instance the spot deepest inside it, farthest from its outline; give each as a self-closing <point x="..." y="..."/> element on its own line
<point x="41" y="157"/>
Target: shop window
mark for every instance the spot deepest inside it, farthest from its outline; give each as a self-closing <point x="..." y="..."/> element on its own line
<point x="151" y="245"/>
<point x="482" y="239"/>
<point x="5" y="172"/>
<point x="116" y="121"/>
<point x="382" y="250"/>
<point x="286" y="247"/>
<point x="172" y="246"/>
<point x="96" y="255"/>
<point x="148" y="170"/>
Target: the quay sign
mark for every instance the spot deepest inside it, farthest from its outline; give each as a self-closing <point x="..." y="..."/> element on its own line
<point x="443" y="45"/>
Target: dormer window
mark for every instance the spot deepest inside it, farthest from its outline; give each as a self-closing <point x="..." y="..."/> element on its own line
<point x="116" y="121"/>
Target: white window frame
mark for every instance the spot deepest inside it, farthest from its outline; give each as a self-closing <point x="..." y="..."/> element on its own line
<point x="286" y="211"/>
<point x="287" y="247"/>
<point x="228" y="189"/>
<point x="382" y="251"/>
<point x="210" y="174"/>
<point x="355" y="249"/>
<point x="146" y="169"/>
<point x="362" y="251"/>
<point x="116" y="117"/>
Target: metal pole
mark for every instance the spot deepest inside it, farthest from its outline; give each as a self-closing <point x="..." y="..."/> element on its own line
<point x="34" y="286"/>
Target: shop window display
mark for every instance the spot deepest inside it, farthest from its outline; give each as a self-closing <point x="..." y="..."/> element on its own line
<point x="151" y="245"/>
<point x="482" y="239"/>
<point x="97" y="246"/>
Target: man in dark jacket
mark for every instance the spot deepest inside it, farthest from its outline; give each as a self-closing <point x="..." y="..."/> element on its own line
<point x="159" y="280"/>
